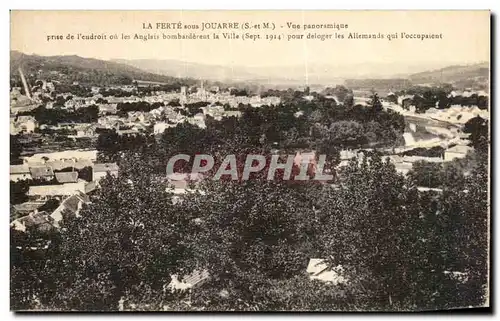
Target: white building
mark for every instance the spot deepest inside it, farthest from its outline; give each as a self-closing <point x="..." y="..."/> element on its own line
<point x="100" y="170"/>
<point x="318" y="269"/>
<point x="19" y="173"/>
<point x="47" y="191"/>
<point x="159" y="128"/>
<point x="458" y="151"/>
<point x="23" y="124"/>
<point x="41" y="158"/>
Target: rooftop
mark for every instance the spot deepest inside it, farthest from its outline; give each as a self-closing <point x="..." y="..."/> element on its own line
<point x="105" y="167"/>
<point x="42" y="171"/>
<point x="67" y="177"/>
<point x="19" y="169"/>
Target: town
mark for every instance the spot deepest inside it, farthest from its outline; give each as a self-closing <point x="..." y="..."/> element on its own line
<point x="76" y="148"/>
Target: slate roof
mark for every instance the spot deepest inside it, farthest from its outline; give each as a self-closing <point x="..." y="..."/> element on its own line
<point x="105" y="167"/>
<point x="40" y="222"/>
<point x="189" y="281"/>
<point x="318" y="269"/>
<point x="41" y="172"/>
<point x="28" y="207"/>
<point x="459" y="149"/>
<point x="67" y="177"/>
<point x="71" y="205"/>
<point x="19" y="169"/>
<point x="58" y="165"/>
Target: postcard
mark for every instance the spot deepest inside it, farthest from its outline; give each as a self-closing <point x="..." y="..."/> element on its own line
<point x="253" y="161"/>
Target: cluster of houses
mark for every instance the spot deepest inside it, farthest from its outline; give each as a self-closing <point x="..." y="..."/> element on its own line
<point x="138" y="121"/>
<point x="404" y="164"/>
<point x="56" y="177"/>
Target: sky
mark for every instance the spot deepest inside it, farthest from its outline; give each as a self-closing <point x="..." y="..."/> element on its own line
<point x="465" y="37"/>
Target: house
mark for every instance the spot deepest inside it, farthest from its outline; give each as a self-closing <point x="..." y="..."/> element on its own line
<point x="305" y="158"/>
<point x="28" y="207"/>
<point x="76" y="164"/>
<point x="23" y="124"/>
<point x="232" y="113"/>
<point x="42" y="172"/>
<point x="318" y="269"/>
<point x="181" y="182"/>
<point x="66" y="177"/>
<point x="159" y="128"/>
<point x="125" y="132"/>
<point x="403" y="166"/>
<point x="86" y="131"/>
<point x="70" y="206"/>
<point x="63" y="155"/>
<point x="403" y="98"/>
<point x="347" y="154"/>
<point x="34" y="222"/>
<point x="136" y="116"/>
<point x="107" y="109"/>
<point x="47" y="191"/>
<point x="197" y="120"/>
<point x="427" y="189"/>
<point x="100" y="170"/>
<point x="19" y="173"/>
<point x="458" y="151"/>
<point x="192" y="280"/>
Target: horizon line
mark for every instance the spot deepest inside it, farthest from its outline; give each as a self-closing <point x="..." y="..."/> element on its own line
<point x="444" y="64"/>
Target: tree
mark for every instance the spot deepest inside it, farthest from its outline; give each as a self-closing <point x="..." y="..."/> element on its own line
<point x="250" y="232"/>
<point x="477" y="127"/>
<point x="367" y="228"/>
<point x="15" y="149"/>
<point x="346" y="134"/>
<point x="427" y="174"/>
<point x="375" y="104"/>
<point x="18" y="191"/>
<point x="125" y="245"/>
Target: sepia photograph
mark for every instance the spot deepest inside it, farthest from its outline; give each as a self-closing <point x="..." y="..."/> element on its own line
<point x="256" y="161"/>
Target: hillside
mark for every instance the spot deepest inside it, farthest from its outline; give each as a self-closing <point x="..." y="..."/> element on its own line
<point x="189" y="69"/>
<point x="68" y="69"/>
<point x="457" y="75"/>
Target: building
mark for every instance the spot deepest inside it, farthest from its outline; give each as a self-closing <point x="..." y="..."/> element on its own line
<point x="318" y="269"/>
<point x="403" y="98"/>
<point x="74" y="155"/>
<point x="458" y="151"/>
<point x="192" y="280"/>
<point x="197" y="120"/>
<point x="74" y="164"/>
<point x="19" y="173"/>
<point x="88" y="130"/>
<point x="159" y="128"/>
<point x="49" y="191"/>
<point x="39" y="222"/>
<point x="23" y="124"/>
<point x="66" y="177"/>
<point x="100" y="170"/>
<point x="28" y="207"/>
<point x="42" y="172"/>
<point x="105" y="109"/>
<point x="232" y="113"/>
<point x="70" y="206"/>
<point x="180" y="182"/>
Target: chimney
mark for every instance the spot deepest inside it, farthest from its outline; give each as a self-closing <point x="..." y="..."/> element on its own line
<point x="25" y="84"/>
